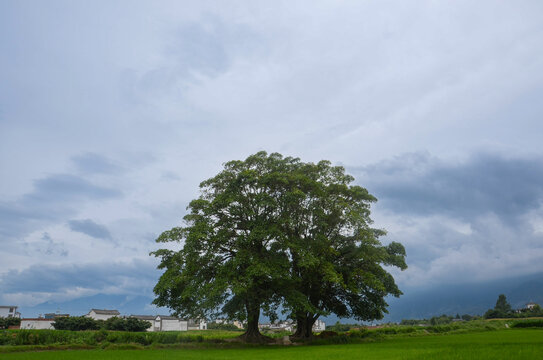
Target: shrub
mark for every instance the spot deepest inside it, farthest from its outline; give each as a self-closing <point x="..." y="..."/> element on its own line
<point x="9" y="321"/>
<point x="359" y="333"/>
<point x="215" y="326"/>
<point x="128" y="324"/>
<point x="528" y="323"/>
<point x="75" y="323"/>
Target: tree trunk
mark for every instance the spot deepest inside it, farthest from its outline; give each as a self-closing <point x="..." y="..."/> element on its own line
<point x="253" y="335"/>
<point x="304" y="326"/>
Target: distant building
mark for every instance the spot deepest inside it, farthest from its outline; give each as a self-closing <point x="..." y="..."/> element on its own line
<point x="196" y="325"/>
<point x="319" y="326"/>
<point x="98" y="314"/>
<point x="278" y="326"/>
<point x="170" y="323"/>
<point x="530" y="305"/>
<point x="9" y="311"/>
<point x="37" y="324"/>
<point x="236" y="323"/>
<point x="54" y="315"/>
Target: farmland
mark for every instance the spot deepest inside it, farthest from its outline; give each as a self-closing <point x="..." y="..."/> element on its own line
<point x="496" y="344"/>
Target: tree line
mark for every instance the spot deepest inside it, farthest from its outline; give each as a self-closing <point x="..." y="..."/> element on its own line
<point x="503" y="309"/>
<point x="81" y="323"/>
<point x="274" y="234"/>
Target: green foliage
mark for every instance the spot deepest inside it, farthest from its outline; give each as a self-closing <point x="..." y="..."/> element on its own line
<point x="76" y="323"/>
<point x="232" y="261"/>
<point x="81" y="323"/>
<point x="339" y="327"/>
<point x="528" y="324"/>
<point x="223" y="326"/>
<point x="536" y="310"/>
<point x="126" y="324"/>
<point x="502" y="305"/>
<point x="100" y="337"/>
<point x="271" y="231"/>
<point x="502" y="309"/>
<point x="441" y="320"/>
<point x="9" y="321"/>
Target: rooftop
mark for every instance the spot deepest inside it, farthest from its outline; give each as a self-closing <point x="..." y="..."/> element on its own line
<point x="106" y="312"/>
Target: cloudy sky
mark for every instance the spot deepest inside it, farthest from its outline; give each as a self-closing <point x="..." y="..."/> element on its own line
<point x="112" y="112"/>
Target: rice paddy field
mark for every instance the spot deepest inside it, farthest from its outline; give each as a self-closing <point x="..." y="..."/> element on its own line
<point x="497" y="344"/>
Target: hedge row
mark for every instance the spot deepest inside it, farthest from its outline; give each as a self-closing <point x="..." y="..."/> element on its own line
<point x="47" y="337"/>
<point x="528" y="323"/>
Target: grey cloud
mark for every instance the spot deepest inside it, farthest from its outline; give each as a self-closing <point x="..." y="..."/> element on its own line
<point x="485" y="183"/>
<point x="53" y="247"/>
<point x="53" y="199"/>
<point x="89" y="227"/>
<point x="65" y="187"/>
<point x="92" y="163"/>
<point x="460" y="221"/>
<point x="129" y="277"/>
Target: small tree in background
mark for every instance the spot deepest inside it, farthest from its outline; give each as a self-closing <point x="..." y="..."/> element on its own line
<point x="502" y="305"/>
<point x="128" y="324"/>
<point x="9" y="321"/>
<point x="501" y="309"/>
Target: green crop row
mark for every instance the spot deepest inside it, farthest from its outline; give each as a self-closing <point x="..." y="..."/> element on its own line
<point x="46" y="337"/>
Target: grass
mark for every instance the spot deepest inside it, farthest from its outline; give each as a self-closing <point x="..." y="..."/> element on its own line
<point x="499" y="344"/>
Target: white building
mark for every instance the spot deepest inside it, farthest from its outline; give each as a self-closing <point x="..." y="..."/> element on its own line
<point x="197" y="325"/>
<point x="98" y="314"/>
<point x="170" y="323"/>
<point x="9" y="311"/>
<point x="37" y="324"/>
<point x="319" y="326"/>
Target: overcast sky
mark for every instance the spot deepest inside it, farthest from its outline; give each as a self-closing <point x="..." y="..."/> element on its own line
<point x="112" y="112"/>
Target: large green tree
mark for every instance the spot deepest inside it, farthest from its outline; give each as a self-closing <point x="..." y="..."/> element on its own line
<point x="336" y="257"/>
<point x="232" y="262"/>
<point x="272" y="231"/>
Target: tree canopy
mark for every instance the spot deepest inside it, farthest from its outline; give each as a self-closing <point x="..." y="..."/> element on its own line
<point x="270" y="232"/>
<point x="501" y="309"/>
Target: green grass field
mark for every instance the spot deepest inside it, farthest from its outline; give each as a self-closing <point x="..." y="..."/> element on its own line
<point x="501" y="344"/>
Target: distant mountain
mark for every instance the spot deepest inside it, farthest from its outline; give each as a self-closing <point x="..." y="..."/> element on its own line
<point x="465" y="298"/>
<point x="473" y="299"/>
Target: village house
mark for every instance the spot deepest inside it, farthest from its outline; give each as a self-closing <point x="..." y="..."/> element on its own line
<point x="288" y="325"/>
<point x="530" y="305"/>
<point x="9" y="311"/>
<point x="196" y="324"/>
<point x="98" y="314"/>
<point x="170" y="323"/>
<point x="319" y="326"/>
